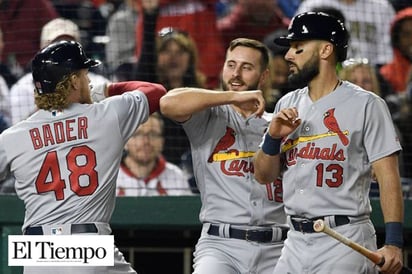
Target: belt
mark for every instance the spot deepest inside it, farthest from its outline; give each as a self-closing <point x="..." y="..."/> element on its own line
<point x="75" y="229"/>
<point x="306" y="226"/>
<point x="254" y="235"/>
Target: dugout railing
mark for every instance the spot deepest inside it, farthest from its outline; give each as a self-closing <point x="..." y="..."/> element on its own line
<point x="158" y="234"/>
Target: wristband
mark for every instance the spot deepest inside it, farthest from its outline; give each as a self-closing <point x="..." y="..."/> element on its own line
<point x="394" y="234"/>
<point x="271" y="146"/>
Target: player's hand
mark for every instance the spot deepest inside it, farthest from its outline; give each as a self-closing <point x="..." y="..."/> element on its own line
<point x="98" y="92"/>
<point x="250" y="101"/>
<point x="393" y="259"/>
<point x="284" y="122"/>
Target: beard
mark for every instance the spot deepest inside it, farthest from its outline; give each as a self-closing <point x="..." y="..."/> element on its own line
<point x="309" y="71"/>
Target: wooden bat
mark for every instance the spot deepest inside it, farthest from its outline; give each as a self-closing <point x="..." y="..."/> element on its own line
<point x="320" y="226"/>
<point x="378" y="259"/>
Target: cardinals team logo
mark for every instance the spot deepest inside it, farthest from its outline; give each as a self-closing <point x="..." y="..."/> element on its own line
<point x="332" y="125"/>
<point x="224" y="143"/>
<point x="313" y="150"/>
<point x="333" y="130"/>
<point x="232" y="161"/>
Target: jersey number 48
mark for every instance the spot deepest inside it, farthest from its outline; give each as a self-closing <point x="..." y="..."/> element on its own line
<point x="50" y="178"/>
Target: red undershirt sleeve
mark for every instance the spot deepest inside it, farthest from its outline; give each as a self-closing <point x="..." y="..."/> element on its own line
<point x="152" y="91"/>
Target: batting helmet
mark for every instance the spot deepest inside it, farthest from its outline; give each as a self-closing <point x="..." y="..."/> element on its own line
<point x="57" y="60"/>
<point x="317" y="25"/>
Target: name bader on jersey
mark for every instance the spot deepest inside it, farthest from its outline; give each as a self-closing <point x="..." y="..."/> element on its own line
<point x="59" y="132"/>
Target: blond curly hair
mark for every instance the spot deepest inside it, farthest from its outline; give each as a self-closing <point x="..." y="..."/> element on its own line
<point x="58" y="100"/>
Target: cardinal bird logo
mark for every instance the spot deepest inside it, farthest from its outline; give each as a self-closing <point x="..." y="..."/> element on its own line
<point x="224" y="143"/>
<point x="330" y="122"/>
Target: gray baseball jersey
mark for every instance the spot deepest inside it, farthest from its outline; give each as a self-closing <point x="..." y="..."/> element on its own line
<point x="223" y="144"/>
<point x="328" y="172"/>
<point x="329" y="156"/>
<point x="66" y="163"/>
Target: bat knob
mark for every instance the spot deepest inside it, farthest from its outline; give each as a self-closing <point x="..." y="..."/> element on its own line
<point x="319" y="225"/>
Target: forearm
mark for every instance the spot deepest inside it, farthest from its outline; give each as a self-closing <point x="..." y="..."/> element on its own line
<point x="179" y="104"/>
<point x="267" y="167"/>
<point x="390" y="189"/>
<point x="391" y="201"/>
<point x="387" y="175"/>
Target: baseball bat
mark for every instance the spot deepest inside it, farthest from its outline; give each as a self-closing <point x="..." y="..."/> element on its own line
<point x="378" y="259"/>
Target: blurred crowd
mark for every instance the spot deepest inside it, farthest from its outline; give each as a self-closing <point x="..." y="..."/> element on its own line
<point x="181" y="43"/>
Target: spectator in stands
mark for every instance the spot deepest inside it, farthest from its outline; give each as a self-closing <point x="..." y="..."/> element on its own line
<point x="169" y="57"/>
<point x="361" y="73"/>
<point x="5" y="72"/>
<point x="252" y="19"/>
<point x="144" y="171"/>
<point x="198" y="19"/>
<point x="22" y="92"/>
<point x="91" y="17"/>
<point x="177" y="60"/>
<point x="4" y="105"/>
<point x="176" y="66"/>
<point x="368" y="22"/>
<point x="4" y="95"/>
<point x="21" y="23"/>
<point x="7" y="185"/>
<point x="121" y="30"/>
<point x="397" y="71"/>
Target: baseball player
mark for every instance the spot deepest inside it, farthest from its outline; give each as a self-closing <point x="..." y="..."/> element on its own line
<point x="65" y="157"/>
<point x="243" y="221"/>
<point x="332" y="133"/>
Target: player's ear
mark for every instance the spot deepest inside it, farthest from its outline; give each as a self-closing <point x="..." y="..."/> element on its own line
<point x="264" y="77"/>
<point x="74" y="80"/>
<point x="326" y="49"/>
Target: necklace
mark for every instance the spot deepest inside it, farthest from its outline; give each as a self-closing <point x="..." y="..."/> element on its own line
<point x="337" y="85"/>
